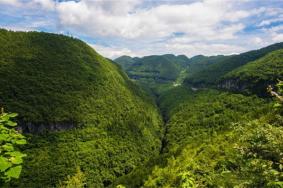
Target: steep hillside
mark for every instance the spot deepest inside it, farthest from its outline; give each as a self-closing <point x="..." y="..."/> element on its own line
<point x="215" y="139"/>
<point x="126" y="61"/>
<point x="200" y="62"/>
<point x="160" y="73"/>
<point x="211" y="75"/>
<point x="154" y="71"/>
<point x="83" y="109"/>
<point x="255" y="76"/>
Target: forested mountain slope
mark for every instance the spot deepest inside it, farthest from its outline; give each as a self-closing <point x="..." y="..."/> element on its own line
<point x="215" y="139"/>
<point x="82" y="111"/>
<point x="201" y="62"/>
<point x="213" y="73"/>
<point x="155" y="69"/>
<point x="162" y="72"/>
<point x="255" y="76"/>
<point x="84" y="118"/>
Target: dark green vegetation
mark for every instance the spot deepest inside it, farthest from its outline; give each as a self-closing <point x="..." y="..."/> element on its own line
<point x="214" y="72"/>
<point x="200" y="62"/>
<point x="11" y="158"/>
<point x="256" y="75"/>
<point x="155" y="72"/>
<point x="216" y="139"/>
<point x="108" y="125"/>
<point x="89" y="125"/>
<point x="158" y="73"/>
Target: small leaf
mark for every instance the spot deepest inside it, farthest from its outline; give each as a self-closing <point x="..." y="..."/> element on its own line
<point x="11" y="123"/>
<point x="16" y="160"/>
<point x="14" y="172"/>
<point x="21" y="142"/>
<point x="4" y="164"/>
<point x="4" y="117"/>
<point x="8" y="147"/>
<point x="12" y="115"/>
<point x="4" y="137"/>
<point x="15" y="154"/>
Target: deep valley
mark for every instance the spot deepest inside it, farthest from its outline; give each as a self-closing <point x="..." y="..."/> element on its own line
<point x="153" y="121"/>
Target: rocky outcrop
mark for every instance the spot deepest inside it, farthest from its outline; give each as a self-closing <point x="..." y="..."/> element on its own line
<point x="232" y="85"/>
<point x="39" y="128"/>
<point x="252" y="86"/>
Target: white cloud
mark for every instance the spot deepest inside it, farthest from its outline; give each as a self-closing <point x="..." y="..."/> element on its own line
<point x="10" y="2"/>
<point x="45" y="4"/>
<point x="275" y="33"/>
<point x="112" y="52"/>
<point x="189" y="49"/>
<point x="31" y="4"/>
<point x="207" y="49"/>
<point x="142" y="27"/>
<point x="127" y="20"/>
<point x="257" y="40"/>
<point x="277" y="37"/>
<point x="270" y="21"/>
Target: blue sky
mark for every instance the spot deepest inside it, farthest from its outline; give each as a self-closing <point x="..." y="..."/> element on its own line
<point x="145" y="27"/>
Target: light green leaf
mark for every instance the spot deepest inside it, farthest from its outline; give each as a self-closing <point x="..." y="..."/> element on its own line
<point x="16" y="160"/>
<point x="12" y="115"/>
<point x="14" y="172"/>
<point x="4" y="137"/>
<point x="21" y="142"/>
<point x="8" y="147"/>
<point x="15" y="154"/>
<point x="11" y="123"/>
<point x="4" y="164"/>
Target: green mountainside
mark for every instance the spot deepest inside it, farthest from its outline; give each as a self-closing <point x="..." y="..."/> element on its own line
<point x="215" y="139"/>
<point x="257" y="75"/>
<point x="162" y="72"/>
<point x="107" y="124"/>
<point x="154" y="72"/>
<point x="200" y="62"/>
<point x="125" y="61"/>
<point x="89" y="123"/>
<point x="212" y="73"/>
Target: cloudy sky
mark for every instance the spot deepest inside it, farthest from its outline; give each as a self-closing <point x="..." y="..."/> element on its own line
<point x="145" y="27"/>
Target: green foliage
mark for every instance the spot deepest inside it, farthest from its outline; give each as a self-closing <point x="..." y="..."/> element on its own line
<point x="200" y="62"/>
<point x="213" y="73"/>
<point x="222" y="140"/>
<point x="81" y="108"/>
<point x="112" y="130"/>
<point x="154" y="71"/>
<point x="257" y="75"/>
<point x="215" y="139"/>
<point x="76" y="181"/>
<point x="11" y="158"/>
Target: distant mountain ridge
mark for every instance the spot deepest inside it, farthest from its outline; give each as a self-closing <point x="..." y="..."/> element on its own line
<point x="255" y="76"/>
<point x="199" y="71"/>
<point x="213" y="73"/>
<point x="168" y="69"/>
<point x="156" y="67"/>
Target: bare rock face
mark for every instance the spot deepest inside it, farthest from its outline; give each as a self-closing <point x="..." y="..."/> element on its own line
<point x="232" y="85"/>
<point x="251" y="86"/>
<point x="39" y="128"/>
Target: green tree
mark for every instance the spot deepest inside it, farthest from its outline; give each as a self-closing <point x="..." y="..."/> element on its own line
<point x="11" y="158"/>
<point x="76" y="181"/>
<point x="277" y="93"/>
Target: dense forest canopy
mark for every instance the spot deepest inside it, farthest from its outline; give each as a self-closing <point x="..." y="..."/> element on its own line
<point x="78" y="108"/>
<point x="167" y="121"/>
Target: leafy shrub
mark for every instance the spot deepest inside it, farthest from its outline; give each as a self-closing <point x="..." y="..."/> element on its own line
<point x="11" y="158"/>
